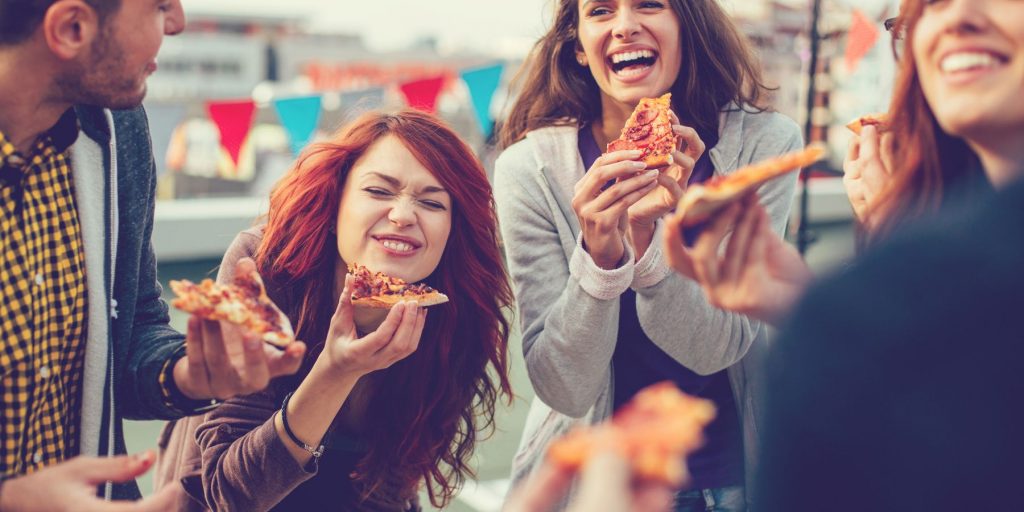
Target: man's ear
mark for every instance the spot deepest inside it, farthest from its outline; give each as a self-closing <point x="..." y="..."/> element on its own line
<point x="70" y="27"/>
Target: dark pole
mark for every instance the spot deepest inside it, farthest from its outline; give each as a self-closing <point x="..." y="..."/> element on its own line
<point x="804" y="237"/>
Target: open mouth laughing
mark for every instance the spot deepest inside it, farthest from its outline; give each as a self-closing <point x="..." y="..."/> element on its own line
<point x="631" y="63"/>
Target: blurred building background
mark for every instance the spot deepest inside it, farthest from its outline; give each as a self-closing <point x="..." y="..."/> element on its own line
<point x="235" y="50"/>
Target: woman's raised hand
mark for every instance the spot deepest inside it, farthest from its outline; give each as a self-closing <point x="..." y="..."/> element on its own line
<point x="758" y="275"/>
<point x="615" y="182"/>
<point x="395" y="338"/>
<point x="867" y="170"/>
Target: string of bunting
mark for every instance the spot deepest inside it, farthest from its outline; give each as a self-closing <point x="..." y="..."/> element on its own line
<point x="301" y="115"/>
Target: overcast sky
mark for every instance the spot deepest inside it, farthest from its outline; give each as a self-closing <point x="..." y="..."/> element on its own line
<point x="387" y="24"/>
<point x="390" y="24"/>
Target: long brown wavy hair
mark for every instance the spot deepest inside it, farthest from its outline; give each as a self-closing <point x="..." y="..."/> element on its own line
<point x="429" y="407"/>
<point x="929" y="159"/>
<point x="718" y="68"/>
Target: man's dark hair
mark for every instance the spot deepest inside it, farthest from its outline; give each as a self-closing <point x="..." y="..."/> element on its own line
<point x="19" y="18"/>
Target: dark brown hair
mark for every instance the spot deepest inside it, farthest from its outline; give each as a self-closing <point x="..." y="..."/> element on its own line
<point x="20" y="18"/>
<point x="718" y="67"/>
<point x="930" y="159"/>
<point x="428" y="408"/>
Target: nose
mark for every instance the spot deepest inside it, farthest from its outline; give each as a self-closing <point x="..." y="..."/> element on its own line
<point x="174" y="21"/>
<point x="402" y="213"/>
<point x="966" y="16"/>
<point x="626" y="25"/>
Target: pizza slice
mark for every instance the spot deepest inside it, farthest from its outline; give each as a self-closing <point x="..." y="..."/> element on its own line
<point x="244" y="302"/>
<point x="655" y="431"/>
<point x="880" y="120"/>
<point x="701" y="201"/>
<point x="379" y="290"/>
<point x="649" y="129"/>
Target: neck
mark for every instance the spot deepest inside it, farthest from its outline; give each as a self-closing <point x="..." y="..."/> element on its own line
<point x="613" y="117"/>
<point x="1002" y="158"/>
<point x="27" y="106"/>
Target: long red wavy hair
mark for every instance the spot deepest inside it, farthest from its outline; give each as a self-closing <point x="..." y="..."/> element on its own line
<point x="929" y="161"/>
<point x="430" y="407"/>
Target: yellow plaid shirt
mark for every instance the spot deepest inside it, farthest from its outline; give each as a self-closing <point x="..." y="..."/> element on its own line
<point x="42" y="303"/>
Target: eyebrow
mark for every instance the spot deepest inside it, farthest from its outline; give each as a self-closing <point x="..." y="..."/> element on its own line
<point x="394" y="182"/>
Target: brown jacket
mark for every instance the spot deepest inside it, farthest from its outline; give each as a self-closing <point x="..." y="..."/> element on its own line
<point x="233" y="459"/>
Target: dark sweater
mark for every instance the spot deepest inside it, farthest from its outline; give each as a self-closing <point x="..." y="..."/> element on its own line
<point x="897" y="385"/>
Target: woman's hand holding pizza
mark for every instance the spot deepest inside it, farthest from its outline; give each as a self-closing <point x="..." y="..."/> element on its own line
<point x="758" y="275"/>
<point x="396" y="338"/>
<point x="672" y="183"/>
<point x="222" y="360"/>
<point x="602" y="210"/>
<point x="867" y="170"/>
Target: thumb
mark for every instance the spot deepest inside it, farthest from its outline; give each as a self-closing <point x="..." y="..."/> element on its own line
<point x="97" y="470"/>
<point x="675" y="248"/>
<point x="341" y="321"/>
<point x="673" y="187"/>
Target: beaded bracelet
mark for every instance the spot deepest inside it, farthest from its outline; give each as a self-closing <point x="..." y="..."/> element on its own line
<point x="315" y="452"/>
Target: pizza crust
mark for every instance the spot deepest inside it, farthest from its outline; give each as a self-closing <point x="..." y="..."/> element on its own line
<point x="701" y="202"/>
<point x="387" y="301"/>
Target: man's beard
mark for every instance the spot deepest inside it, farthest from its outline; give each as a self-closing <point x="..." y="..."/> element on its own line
<point x="105" y="81"/>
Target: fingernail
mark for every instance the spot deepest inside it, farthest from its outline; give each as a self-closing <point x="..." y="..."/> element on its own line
<point x="142" y="458"/>
<point x="639" y="165"/>
<point x="651" y="173"/>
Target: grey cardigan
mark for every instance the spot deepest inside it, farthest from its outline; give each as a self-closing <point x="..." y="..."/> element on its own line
<point x="569" y="307"/>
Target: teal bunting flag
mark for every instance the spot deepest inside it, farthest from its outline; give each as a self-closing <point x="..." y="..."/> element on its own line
<point x="300" y="117"/>
<point x="482" y="83"/>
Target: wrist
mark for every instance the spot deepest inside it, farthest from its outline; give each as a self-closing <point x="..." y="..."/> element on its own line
<point x="330" y="374"/>
<point x="183" y="383"/>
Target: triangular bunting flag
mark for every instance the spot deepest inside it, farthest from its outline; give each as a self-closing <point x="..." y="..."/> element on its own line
<point x="234" y="120"/>
<point x="861" y="38"/>
<point x="300" y="117"/>
<point x="422" y="94"/>
<point x="482" y="82"/>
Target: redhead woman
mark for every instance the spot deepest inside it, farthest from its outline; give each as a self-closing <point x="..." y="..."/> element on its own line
<point x="602" y="315"/>
<point x="958" y="128"/>
<point x="383" y="407"/>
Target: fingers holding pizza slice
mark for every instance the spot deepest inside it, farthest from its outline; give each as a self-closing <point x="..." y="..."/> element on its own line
<point x="649" y="129"/>
<point x="655" y="431"/>
<point x="244" y="302"/>
<point x="702" y="201"/>
<point x="381" y="291"/>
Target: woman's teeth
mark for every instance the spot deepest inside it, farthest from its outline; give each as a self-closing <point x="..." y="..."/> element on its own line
<point x="397" y="246"/>
<point x="626" y="56"/>
<point x="966" y="61"/>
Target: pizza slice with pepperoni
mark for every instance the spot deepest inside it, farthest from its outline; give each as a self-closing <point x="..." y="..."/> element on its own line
<point x="649" y="129"/>
<point x="655" y="431"/>
<point x="379" y="290"/>
<point x="880" y="120"/>
<point x="244" y="302"/>
<point x="701" y="201"/>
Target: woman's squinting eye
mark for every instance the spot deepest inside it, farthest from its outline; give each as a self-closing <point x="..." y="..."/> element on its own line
<point x="378" y="192"/>
<point x="433" y="205"/>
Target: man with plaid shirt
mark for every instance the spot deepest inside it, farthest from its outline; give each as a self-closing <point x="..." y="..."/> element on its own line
<point x="84" y="336"/>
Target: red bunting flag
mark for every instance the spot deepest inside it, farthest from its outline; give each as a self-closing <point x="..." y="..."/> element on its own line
<point x="862" y="37"/>
<point x="234" y="120"/>
<point x="422" y="94"/>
